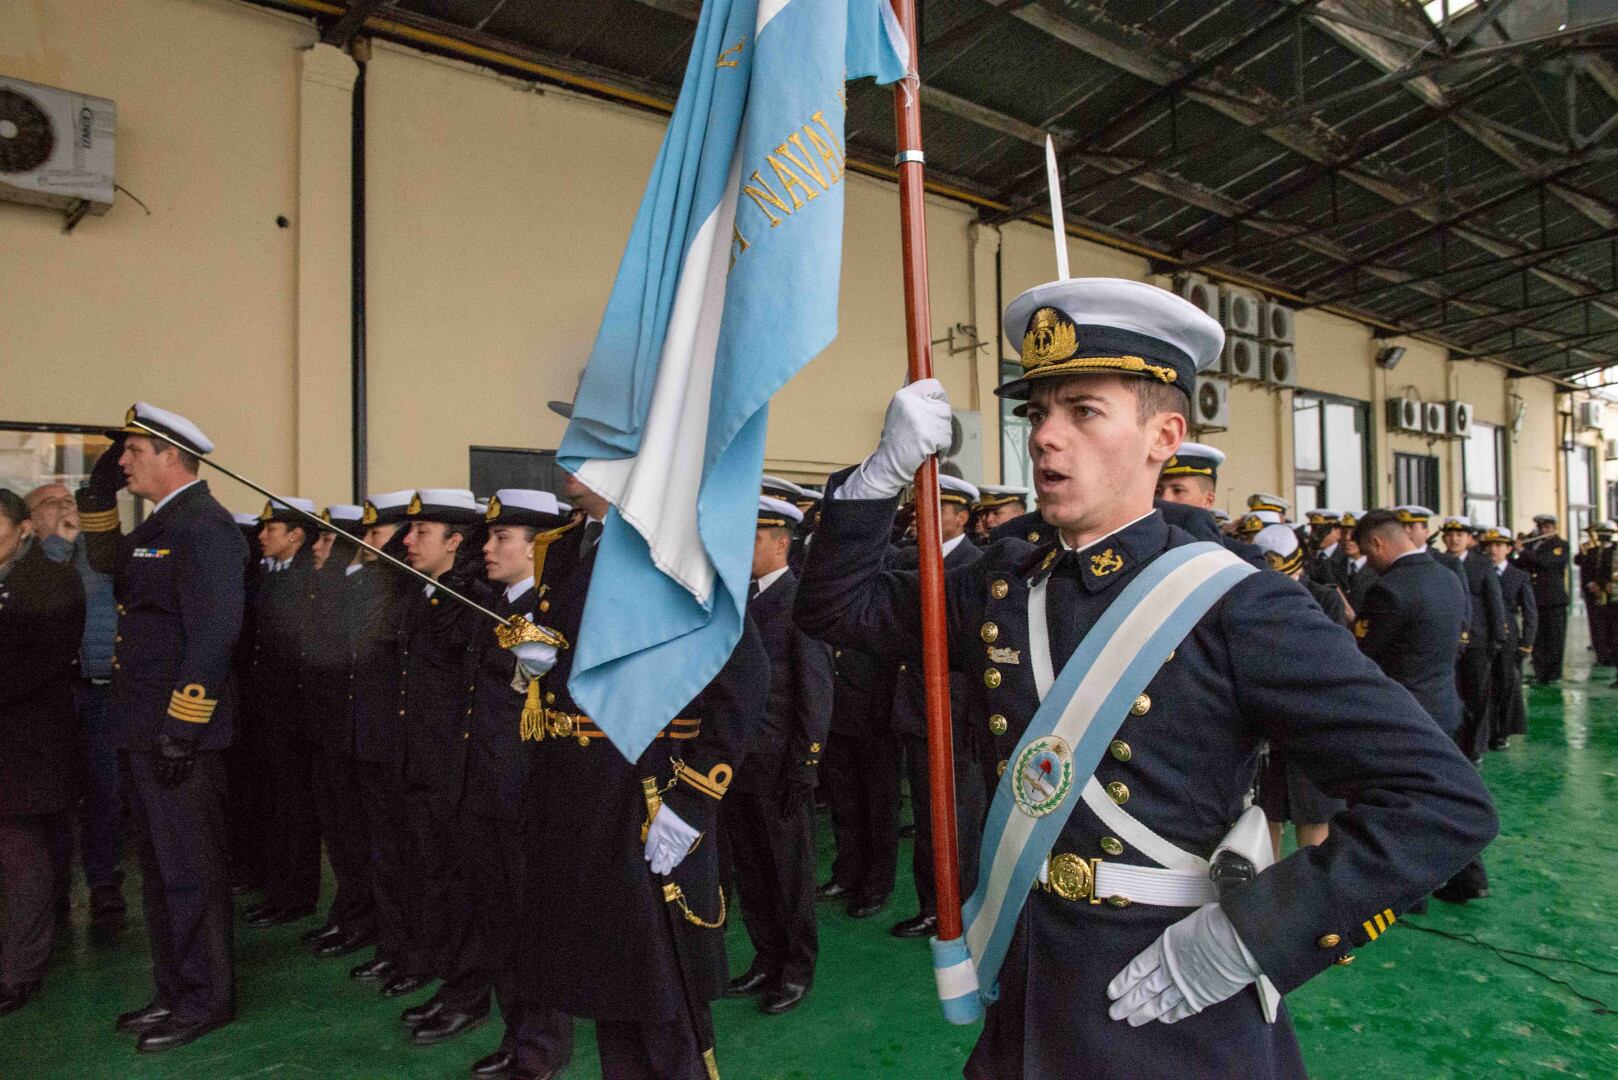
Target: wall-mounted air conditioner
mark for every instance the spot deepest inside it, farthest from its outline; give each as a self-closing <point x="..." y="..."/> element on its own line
<point x="1278" y="324"/>
<point x="1201" y="292"/>
<point x="1241" y="359"/>
<point x="1434" y="418"/>
<point x="1460" y="418"/>
<point x="1591" y="414"/>
<point x="1404" y="415"/>
<point x="1211" y="405"/>
<point x="1239" y="310"/>
<point x="1280" y="365"/>
<point x="56" y="147"/>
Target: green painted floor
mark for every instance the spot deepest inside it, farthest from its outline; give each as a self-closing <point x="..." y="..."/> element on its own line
<point x="1416" y="1005"/>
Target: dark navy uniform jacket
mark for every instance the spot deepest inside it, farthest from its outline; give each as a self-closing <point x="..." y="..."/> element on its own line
<point x="1411" y="625"/>
<point x="797" y="713"/>
<point x="178" y="583"/>
<point x="1546" y="562"/>
<point x="599" y="939"/>
<point x="1518" y="591"/>
<point x="1487" y="625"/>
<point x="373" y="598"/>
<point x="1263" y="663"/>
<point x="433" y="692"/>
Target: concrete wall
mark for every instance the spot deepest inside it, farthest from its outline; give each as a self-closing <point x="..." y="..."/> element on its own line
<point x="497" y="211"/>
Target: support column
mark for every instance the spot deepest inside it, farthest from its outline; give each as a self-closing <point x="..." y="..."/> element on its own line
<point x="322" y="414"/>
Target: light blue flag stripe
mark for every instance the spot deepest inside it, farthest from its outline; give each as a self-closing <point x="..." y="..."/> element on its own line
<point x="728" y="286"/>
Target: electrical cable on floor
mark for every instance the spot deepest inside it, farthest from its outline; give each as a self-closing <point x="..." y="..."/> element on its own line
<point x="1506" y="955"/>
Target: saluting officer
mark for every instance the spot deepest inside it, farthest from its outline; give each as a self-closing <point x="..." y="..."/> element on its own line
<point x="1108" y="369"/>
<point x="767" y="820"/>
<point x="622" y="926"/>
<point x="178" y="583"/>
<point x="1545" y="556"/>
<point x="1326" y="559"/>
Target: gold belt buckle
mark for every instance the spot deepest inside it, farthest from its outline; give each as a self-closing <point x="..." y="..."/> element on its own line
<point x="1073" y="878"/>
<point x="559" y="723"/>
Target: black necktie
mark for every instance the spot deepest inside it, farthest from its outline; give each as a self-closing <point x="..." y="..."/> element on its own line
<point x="1063" y="593"/>
<point x="752" y="590"/>
<point x="592" y="535"/>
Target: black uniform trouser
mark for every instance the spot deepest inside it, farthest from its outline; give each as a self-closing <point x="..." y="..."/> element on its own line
<point x="1472" y="676"/>
<point x="656" y="1051"/>
<point x="1601" y="630"/>
<point x="863" y="775"/>
<point x="346" y="832"/>
<point x="28" y="882"/>
<point x="969" y="813"/>
<point x="775" y="876"/>
<point x="494" y="865"/>
<point x="444" y="920"/>
<point x="292" y="831"/>
<point x="248" y="805"/>
<point x="180" y="838"/>
<point x="395" y="878"/>
<point x="1550" y="642"/>
<point x="1508" y="716"/>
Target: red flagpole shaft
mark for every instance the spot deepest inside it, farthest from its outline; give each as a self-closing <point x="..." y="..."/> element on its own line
<point x="934" y="647"/>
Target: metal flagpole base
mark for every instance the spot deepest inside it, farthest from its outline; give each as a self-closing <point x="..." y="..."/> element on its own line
<point x="957" y="980"/>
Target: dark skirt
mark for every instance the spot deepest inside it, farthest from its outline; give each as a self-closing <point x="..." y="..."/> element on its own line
<point x="1510" y="716"/>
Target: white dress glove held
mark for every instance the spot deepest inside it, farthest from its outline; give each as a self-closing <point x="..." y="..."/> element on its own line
<point x="534" y="657"/>
<point x="917" y="427"/>
<point x="1197" y="962"/>
<point x="668" y="840"/>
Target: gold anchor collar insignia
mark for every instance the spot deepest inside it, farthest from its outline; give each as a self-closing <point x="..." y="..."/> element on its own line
<point x="1105" y="563"/>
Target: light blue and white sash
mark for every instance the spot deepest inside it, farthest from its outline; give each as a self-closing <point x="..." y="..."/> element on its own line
<point x="1062" y="746"/>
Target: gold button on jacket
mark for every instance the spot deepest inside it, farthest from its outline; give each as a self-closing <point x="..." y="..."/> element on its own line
<point x="1120" y="750"/>
<point x="1329" y="941"/>
<point x="1112" y="845"/>
<point x="997" y="724"/>
<point x="991" y="677"/>
<point x="1118" y="792"/>
<point x="989" y="632"/>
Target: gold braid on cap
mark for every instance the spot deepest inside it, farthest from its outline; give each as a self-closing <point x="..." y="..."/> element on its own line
<point x="1052" y="339"/>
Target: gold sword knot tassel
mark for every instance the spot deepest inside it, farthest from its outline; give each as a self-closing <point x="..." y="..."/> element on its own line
<point x="517" y="630"/>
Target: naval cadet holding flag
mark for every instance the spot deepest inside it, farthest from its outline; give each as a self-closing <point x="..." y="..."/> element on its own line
<point x="1129" y="941"/>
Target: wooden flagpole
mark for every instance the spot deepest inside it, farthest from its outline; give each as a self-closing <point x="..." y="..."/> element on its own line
<point x="935" y="650"/>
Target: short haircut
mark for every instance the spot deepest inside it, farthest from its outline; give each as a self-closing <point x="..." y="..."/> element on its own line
<point x="1203" y="483"/>
<point x="190" y="462"/>
<point x="776" y="531"/>
<point x="13" y="507"/>
<point x="1153" y="397"/>
<point x="1377" y="521"/>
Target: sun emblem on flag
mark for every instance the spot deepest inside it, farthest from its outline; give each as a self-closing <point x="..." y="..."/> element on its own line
<point x="1043" y="776"/>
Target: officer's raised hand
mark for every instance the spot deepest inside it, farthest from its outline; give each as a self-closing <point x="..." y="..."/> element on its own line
<point x="175" y="760"/>
<point x="669" y="840"/>
<point x="106" y="475"/>
<point x="917" y="427"/>
<point x="1197" y="962"/>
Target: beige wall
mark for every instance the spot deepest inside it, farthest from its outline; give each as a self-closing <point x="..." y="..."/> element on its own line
<point x="497" y="212"/>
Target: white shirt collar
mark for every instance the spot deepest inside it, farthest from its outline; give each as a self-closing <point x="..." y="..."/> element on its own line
<point x="951" y="545"/>
<point x="1066" y="546"/>
<point x="514" y="591"/>
<point x="428" y="590"/>
<point x="1500" y="568"/>
<point x="1359" y="563"/>
<point x="1328" y="552"/>
<point x="353" y="568"/>
<point x="165" y="500"/>
<point x="1416" y="551"/>
<point x="770" y="579"/>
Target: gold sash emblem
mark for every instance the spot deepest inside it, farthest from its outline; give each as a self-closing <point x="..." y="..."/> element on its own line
<point x="1051" y="337"/>
<point x="1105" y="563"/>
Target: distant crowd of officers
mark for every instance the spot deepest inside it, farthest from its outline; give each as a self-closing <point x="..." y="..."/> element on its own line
<point x="476" y="822"/>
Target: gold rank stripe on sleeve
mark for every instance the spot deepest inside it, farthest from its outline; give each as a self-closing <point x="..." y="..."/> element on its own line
<point x="1377" y="925"/>
<point x="713" y="783"/>
<point x="192" y="704"/>
<point x="99" y="520"/>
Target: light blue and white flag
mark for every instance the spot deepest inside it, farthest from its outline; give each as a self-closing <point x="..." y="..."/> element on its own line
<point x="728" y="286"/>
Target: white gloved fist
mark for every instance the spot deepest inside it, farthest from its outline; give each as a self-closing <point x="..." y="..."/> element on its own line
<point x="917" y="427"/>
<point x="1197" y="962"/>
<point x="534" y="657"/>
<point x="668" y="841"/>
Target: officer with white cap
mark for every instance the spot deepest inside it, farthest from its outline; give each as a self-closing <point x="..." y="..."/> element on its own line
<point x="996" y="505"/>
<point x="1108" y="369"/>
<point x="178" y="582"/>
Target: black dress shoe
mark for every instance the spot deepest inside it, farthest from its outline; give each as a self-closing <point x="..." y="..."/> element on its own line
<point x="143" y="1018"/>
<point x="746" y="985"/>
<point x="418" y="1015"/>
<point x="1418" y="908"/>
<point x="258" y="910"/>
<point x="832" y="890"/>
<point x="278" y="917"/>
<point x="446" y="1026"/>
<point x="174" y="1032"/>
<point x="919" y="926"/>
<point x="400" y="985"/>
<point x="864" y="909"/>
<point x="374" y="969"/>
<point x="321" y="934"/>
<point x="13" y="998"/>
<point x="784" y="998"/>
<point x="495" y="1064"/>
<point x="353" y="942"/>
<point x="1459" y="894"/>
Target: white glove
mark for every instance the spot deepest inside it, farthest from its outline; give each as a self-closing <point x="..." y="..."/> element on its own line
<point x="534" y="657"/>
<point x="916" y="427"/>
<point x="668" y="841"/>
<point x="1198" y="962"/>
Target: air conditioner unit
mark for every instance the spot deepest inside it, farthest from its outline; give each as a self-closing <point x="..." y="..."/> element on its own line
<point x="1278" y="323"/>
<point x="1280" y="365"/>
<point x="1211" y="409"/>
<point x="1434" y="418"/>
<point x="55" y="147"/>
<point x="1201" y="292"/>
<point x="1239" y="311"/>
<point x="1610" y="449"/>
<point x="1241" y="359"/>
<point x="1404" y="414"/>
<point x="1460" y="418"/>
<point x="965" y="449"/>
<point x="1590" y="414"/>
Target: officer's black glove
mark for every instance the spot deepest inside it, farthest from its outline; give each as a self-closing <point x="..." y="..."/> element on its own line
<point x="107" y="476"/>
<point x="796" y="790"/>
<point x="176" y="758"/>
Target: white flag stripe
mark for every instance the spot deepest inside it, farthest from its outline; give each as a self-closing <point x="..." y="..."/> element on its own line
<point x="767" y="10"/>
<point x="656" y="490"/>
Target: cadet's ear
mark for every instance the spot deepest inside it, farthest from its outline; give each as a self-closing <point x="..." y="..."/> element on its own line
<point x="1167" y="431"/>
